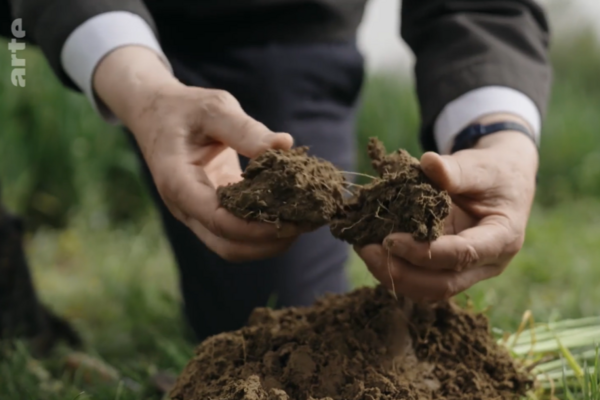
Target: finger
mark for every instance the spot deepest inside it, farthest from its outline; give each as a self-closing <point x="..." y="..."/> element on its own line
<point x="224" y="169"/>
<point x="492" y="241"/>
<point x="460" y="172"/>
<point x="251" y="138"/>
<point x="237" y="252"/>
<point x="228" y="226"/>
<point x="228" y="123"/>
<point x="191" y="197"/>
<point x="188" y="193"/>
<point x="421" y="284"/>
<point x="225" y="225"/>
<point x="458" y="220"/>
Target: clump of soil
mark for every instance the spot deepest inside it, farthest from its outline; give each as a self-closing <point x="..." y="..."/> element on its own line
<point x="286" y="186"/>
<point x="360" y="346"/>
<point x="402" y="199"/>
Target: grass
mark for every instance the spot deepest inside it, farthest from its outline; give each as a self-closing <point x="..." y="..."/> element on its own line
<point x="119" y="289"/>
<point x="563" y="355"/>
<point x="108" y="268"/>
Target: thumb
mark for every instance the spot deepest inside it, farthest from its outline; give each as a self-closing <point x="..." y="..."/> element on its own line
<point x="245" y="135"/>
<point x="457" y="173"/>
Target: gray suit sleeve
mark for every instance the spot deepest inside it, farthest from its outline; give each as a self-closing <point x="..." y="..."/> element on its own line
<point x="50" y="22"/>
<point x="462" y="45"/>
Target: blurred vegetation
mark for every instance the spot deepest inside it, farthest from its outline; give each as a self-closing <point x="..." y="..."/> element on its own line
<point x="109" y="269"/>
<point x="57" y="157"/>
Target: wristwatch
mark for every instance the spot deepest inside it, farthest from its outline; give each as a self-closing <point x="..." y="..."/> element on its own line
<point x="468" y="137"/>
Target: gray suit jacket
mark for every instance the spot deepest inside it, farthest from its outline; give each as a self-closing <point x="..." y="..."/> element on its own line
<point x="460" y="45"/>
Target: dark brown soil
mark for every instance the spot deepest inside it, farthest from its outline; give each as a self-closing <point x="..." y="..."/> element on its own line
<point x="402" y="199"/>
<point x="354" y="347"/>
<point x="286" y="186"/>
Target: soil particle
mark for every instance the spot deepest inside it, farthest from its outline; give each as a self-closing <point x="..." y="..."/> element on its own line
<point x="402" y="199"/>
<point x="286" y="186"/>
<point x="359" y="346"/>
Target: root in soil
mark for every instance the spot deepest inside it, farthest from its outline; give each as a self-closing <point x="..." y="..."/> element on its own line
<point x="286" y="186"/>
<point x="360" y="346"/>
<point x="402" y="199"/>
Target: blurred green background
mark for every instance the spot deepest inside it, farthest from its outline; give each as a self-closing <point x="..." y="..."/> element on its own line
<point x="99" y="257"/>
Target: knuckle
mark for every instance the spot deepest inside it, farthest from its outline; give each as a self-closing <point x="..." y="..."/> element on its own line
<point x="220" y="101"/>
<point x="393" y="274"/>
<point x="373" y="266"/>
<point x="514" y="246"/>
<point x="409" y="254"/>
<point x="396" y="274"/>
<point x="496" y="271"/>
<point x="246" y="126"/>
<point x="466" y="257"/>
<point x="451" y="289"/>
<point x="215" y="227"/>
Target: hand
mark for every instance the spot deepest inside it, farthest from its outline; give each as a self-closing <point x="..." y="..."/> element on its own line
<point x="492" y="188"/>
<point x="190" y="138"/>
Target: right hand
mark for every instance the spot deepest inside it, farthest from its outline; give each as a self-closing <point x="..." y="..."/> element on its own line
<point x="190" y="138"/>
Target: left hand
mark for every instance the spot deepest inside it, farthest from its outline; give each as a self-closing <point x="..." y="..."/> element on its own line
<point x="492" y="188"/>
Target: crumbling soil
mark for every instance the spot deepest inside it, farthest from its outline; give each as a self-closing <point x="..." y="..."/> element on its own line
<point x="402" y="199"/>
<point x="286" y="186"/>
<point x="360" y="346"/>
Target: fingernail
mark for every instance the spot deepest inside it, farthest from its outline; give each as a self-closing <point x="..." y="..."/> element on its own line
<point x="278" y="141"/>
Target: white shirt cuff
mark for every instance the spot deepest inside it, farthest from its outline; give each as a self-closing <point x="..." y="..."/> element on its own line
<point x="91" y="41"/>
<point x="477" y="103"/>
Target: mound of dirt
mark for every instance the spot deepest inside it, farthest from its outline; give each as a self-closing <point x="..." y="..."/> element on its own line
<point x="360" y="346"/>
<point x="402" y="199"/>
<point x="286" y="186"/>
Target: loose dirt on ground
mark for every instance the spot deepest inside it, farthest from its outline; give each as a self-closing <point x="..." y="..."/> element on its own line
<point x="360" y="346"/>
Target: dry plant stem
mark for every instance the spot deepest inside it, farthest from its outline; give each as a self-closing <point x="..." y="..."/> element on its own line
<point x="389" y="267"/>
<point x="349" y="192"/>
<point x="387" y="247"/>
<point x="353" y="184"/>
<point x="358" y="174"/>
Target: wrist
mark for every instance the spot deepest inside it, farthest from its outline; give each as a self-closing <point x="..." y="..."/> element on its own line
<point x="514" y="150"/>
<point x="128" y="79"/>
<point x="511" y="140"/>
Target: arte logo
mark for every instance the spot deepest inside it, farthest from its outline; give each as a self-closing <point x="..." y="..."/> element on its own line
<point x="17" y="76"/>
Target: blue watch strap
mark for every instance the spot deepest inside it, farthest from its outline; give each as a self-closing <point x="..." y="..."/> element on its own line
<point x="469" y="136"/>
